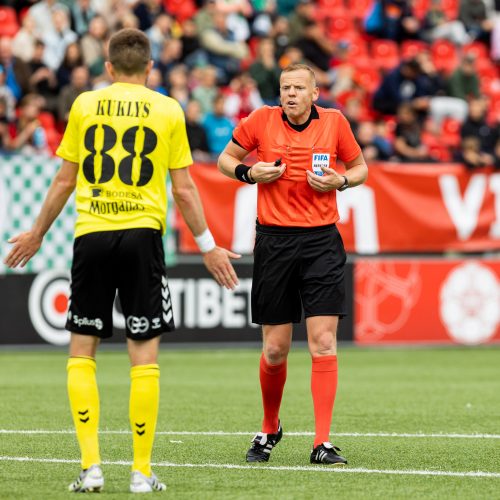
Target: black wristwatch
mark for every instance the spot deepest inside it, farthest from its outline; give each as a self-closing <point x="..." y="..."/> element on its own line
<point x="345" y="185"/>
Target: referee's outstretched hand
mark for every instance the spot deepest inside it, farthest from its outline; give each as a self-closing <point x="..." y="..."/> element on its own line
<point x="218" y="263"/>
<point x="264" y="172"/>
<point x="329" y="181"/>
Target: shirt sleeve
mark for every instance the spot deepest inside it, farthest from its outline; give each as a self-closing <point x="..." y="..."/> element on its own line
<point x="245" y="134"/>
<point x="347" y="147"/>
<point x="180" y="153"/>
<point x="69" y="148"/>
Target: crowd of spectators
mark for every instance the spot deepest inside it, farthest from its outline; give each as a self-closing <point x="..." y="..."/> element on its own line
<point x="417" y="79"/>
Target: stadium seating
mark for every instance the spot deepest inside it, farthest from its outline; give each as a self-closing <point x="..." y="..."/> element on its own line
<point x="444" y="56"/>
<point x="451" y="132"/>
<point x="385" y="54"/>
<point x="8" y="21"/>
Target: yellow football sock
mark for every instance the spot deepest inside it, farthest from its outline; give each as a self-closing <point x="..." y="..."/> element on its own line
<point x="144" y="400"/>
<point x="84" y="402"/>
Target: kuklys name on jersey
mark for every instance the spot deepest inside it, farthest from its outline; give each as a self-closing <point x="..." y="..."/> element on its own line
<point x="114" y="107"/>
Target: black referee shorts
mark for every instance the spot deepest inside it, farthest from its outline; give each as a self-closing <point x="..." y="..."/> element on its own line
<point x="295" y="268"/>
<point x="129" y="261"/>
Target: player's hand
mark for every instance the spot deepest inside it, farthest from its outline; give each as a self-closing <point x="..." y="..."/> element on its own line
<point x="264" y="172"/>
<point x="218" y="263"/>
<point x="25" y="246"/>
<point x="329" y="181"/>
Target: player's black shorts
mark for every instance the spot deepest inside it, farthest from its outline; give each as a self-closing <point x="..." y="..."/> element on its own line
<point x="131" y="262"/>
<point x="295" y="268"/>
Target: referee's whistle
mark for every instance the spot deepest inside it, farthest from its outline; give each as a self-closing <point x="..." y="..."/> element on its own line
<point x="277" y="163"/>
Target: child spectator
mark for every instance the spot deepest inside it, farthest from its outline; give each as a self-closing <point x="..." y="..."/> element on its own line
<point x="471" y="154"/>
<point x="27" y="134"/>
<point x="218" y="127"/>
<point x="197" y="136"/>
<point x="372" y="145"/>
<point x="408" y="143"/>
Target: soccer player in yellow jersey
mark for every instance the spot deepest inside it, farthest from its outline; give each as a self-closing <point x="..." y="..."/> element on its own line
<point x="119" y="146"/>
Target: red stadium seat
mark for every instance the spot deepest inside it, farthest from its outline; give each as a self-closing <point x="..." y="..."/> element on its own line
<point x="331" y="4"/>
<point x="385" y="54"/>
<point x="340" y="25"/>
<point x="440" y="152"/>
<point x="410" y="48"/>
<point x="420" y="8"/>
<point x="494" y="109"/>
<point x="358" y="49"/>
<point x="451" y="131"/>
<point x="359" y="8"/>
<point x="9" y="25"/>
<point x="47" y="120"/>
<point x="489" y="80"/>
<point x="180" y="9"/>
<point x="478" y="49"/>
<point x="368" y="78"/>
<point x="451" y="8"/>
<point x="444" y="55"/>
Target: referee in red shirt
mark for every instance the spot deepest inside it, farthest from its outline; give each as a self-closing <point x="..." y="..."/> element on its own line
<point x="299" y="256"/>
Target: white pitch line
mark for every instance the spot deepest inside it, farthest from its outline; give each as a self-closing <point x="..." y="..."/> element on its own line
<point x="250" y="433"/>
<point x="360" y="470"/>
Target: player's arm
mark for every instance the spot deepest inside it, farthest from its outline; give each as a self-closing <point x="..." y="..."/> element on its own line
<point x="188" y="202"/>
<point x="27" y="244"/>
<point x="230" y="163"/>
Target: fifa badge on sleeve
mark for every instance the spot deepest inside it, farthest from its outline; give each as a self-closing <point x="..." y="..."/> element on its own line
<point x="319" y="161"/>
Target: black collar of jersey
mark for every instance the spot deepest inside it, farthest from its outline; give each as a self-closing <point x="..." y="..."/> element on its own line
<point x="299" y="128"/>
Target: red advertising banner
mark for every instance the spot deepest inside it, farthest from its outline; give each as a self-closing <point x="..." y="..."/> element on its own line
<point x="426" y="301"/>
<point x="401" y="208"/>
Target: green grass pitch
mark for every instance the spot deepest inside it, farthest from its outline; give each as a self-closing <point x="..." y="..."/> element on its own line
<point x="413" y="423"/>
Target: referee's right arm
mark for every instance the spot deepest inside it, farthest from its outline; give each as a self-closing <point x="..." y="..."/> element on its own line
<point x="230" y="164"/>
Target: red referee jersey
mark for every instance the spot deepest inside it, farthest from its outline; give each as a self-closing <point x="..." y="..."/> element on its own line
<point x="290" y="201"/>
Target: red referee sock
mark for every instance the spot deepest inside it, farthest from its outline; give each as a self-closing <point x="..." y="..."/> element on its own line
<point x="272" y="383"/>
<point x="323" y="388"/>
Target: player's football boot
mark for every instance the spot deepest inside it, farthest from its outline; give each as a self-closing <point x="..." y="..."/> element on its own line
<point x="326" y="453"/>
<point x="90" y="480"/>
<point x="139" y="483"/>
<point x="262" y="444"/>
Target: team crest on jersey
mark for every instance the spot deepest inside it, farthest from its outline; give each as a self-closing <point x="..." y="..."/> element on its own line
<point x="320" y="160"/>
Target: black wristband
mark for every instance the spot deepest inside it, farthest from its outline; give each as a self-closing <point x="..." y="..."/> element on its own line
<point x="241" y="173"/>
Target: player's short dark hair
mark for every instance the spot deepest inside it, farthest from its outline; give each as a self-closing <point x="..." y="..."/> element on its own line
<point x="129" y="51"/>
<point x="299" y="66"/>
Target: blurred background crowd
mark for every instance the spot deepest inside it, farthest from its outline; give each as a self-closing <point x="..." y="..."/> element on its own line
<point x="417" y="79"/>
